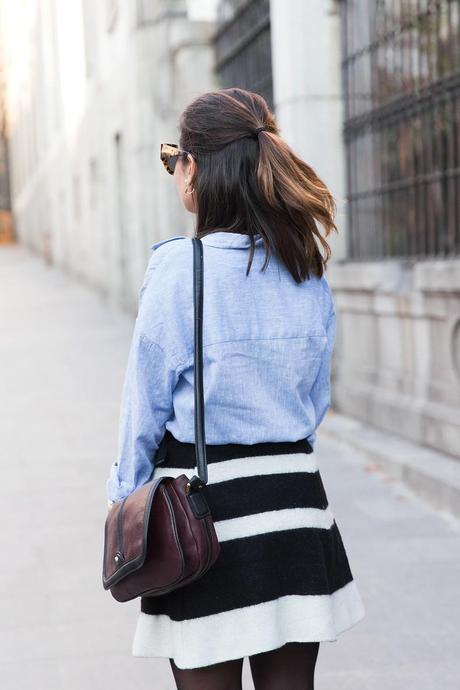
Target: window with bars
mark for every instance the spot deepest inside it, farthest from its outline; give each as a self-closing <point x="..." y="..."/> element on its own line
<point x="401" y="78"/>
<point x="243" y="48"/>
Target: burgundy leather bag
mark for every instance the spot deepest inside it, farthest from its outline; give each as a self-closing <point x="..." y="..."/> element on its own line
<point x="162" y="535"/>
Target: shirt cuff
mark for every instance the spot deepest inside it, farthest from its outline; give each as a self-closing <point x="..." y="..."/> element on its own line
<point x="116" y="489"/>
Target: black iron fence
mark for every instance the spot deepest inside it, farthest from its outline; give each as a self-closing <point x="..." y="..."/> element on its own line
<point x="401" y="76"/>
<point x="242" y="46"/>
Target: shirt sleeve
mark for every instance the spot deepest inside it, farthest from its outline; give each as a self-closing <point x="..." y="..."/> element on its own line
<point x="151" y="375"/>
<point x="321" y="390"/>
<point x="146" y="406"/>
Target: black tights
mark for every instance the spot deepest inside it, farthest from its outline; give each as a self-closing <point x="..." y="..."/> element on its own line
<point x="291" y="667"/>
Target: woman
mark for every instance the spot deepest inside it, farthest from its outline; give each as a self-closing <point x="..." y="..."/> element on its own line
<point x="282" y="582"/>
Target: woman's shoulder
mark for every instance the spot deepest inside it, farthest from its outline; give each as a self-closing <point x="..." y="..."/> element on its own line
<point x="155" y="246"/>
<point x="327" y="297"/>
<point x="166" y="296"/>
<point x="176" y="247"/>
<point x="170" y="257"/>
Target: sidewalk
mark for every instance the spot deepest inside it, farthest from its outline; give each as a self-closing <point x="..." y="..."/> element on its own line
<point x="62" y="360"/>
<point x="430" y="474"/>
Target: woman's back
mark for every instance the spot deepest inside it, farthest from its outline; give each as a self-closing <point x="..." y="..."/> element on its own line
<point x="267" y="342"/>
<point x="267" y="348"/>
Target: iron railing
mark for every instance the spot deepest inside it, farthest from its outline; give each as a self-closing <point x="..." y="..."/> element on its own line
<point x="401" y="78"/>
<point x="242" y="46"/>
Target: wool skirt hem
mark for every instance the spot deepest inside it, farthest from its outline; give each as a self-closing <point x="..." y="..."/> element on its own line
<point x="251" y="630"/>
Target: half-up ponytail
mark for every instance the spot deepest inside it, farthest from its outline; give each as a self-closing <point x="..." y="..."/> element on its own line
<point x="249" y="180"/>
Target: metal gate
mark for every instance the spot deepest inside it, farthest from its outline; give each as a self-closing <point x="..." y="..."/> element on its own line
<point x="401" y="76"/>
<point x="243" y="47"/>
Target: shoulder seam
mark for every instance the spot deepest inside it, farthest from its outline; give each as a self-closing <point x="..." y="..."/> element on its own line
<point x="176" y="360"/>
<point x="168" y="239"/>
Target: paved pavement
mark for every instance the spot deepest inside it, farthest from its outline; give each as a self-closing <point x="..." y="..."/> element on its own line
<point x="62" y="357"/>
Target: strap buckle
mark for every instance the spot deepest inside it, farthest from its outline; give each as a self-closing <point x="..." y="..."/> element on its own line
<point x="194" y="484"/>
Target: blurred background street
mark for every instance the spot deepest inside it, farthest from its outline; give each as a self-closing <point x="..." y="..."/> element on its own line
<point x="368" y="93"/>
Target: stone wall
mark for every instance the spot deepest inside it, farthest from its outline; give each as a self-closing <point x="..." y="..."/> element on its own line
<point x="93" y="88"/>
<point x="397" y="360"/>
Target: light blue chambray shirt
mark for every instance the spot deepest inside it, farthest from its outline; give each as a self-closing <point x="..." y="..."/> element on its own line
<point x="267" y="347"/>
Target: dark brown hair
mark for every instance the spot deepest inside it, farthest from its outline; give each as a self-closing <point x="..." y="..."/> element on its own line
<point x="254" y="183"/>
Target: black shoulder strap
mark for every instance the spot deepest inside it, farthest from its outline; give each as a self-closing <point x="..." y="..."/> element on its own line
<point x="200" y="436"/>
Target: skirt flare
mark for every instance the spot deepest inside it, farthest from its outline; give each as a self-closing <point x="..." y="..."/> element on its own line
<point x="282" y="574"/>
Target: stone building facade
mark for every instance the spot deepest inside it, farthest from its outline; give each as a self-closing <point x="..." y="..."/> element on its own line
<point x="6" y="223"/>
<point x="92" y="90"/>
<point x="398" y="291"/>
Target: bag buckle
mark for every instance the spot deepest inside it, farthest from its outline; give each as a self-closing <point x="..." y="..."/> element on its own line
<point x="194" y="484"/>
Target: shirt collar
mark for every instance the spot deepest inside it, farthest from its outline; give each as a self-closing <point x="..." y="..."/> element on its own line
<point x="231" y="240"/>
<point x="221" y="238"/>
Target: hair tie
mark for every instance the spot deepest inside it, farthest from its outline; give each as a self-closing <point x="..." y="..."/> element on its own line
<point x="259" y="129"/>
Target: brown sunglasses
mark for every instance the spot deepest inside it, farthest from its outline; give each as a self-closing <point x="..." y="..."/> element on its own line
<point x="169" y="154"/>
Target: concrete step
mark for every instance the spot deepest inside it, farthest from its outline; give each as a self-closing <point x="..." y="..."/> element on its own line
<point x="431" y="475"/>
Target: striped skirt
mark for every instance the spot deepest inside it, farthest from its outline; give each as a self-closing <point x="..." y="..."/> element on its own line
<point x="282" y="574"/>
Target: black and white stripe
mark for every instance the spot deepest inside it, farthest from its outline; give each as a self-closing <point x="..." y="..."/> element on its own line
<point x="282" y="574"/>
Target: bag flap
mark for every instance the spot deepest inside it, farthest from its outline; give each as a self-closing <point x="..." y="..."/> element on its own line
<point x="125" y="534"/>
